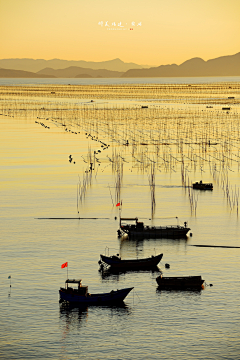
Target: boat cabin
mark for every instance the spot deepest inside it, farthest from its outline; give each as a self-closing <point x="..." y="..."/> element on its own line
<point x="128" y="219"/>
<point x="80" y="290"/>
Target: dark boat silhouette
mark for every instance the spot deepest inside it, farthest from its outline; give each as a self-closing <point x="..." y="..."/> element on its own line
<point x="139" y="230"/>
<point x="180" y="282"/>
<point x="116" y="263"/>
<point x="202" y="186"/>
<point x="81" y="296"/>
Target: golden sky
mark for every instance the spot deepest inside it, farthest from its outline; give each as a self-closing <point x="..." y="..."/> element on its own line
<point x="164" y="31"/>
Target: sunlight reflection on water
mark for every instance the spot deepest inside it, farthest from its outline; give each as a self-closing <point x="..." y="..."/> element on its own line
<point x="38" y="181"/>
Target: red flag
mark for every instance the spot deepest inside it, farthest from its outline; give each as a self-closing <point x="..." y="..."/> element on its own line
<point x="118" y="204"/>
<point x="64" y="265"/>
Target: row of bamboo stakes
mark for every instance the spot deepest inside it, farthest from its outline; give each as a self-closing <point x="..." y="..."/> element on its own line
<point x="182" y="129"/>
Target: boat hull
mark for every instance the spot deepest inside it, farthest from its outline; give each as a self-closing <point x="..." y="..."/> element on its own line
<point x="138" y="264"/>
<point x="163" y="232"/>
<point x="112" y="297"/>
<point x="180" y="283"/>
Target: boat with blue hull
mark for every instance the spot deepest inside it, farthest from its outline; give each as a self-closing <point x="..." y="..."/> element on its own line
<point x="81" y="296"/>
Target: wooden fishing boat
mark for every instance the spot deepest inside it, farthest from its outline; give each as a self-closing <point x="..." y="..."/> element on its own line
<point x="180" y="283"/>
<point x="202" y="186"/>
<point x="139" y="230"/>
<point x="81" y="296"/>
<point x="116" y="263"/>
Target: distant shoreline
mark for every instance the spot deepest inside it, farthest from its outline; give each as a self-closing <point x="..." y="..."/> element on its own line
<point x="116" y="81"/>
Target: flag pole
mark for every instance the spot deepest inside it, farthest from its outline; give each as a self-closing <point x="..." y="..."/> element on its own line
<point x="67" y="270"/>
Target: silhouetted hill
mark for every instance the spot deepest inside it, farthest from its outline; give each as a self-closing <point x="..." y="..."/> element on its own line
<point x="9" y="73"/>
<point x="82" y="76"/>
<point x="222" y="66"/>
<point x="73" y="71"/>
<point x="38" y="64"/>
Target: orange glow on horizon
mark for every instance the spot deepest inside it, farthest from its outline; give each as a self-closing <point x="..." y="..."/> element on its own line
<point x="170" y="31"/>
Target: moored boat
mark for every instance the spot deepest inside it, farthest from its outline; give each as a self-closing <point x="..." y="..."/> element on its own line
<point x="116" y="263"/>
<point x="202" y="186"/>
<point x="180" y="282"/>
<point x="139" y="230"/>
<point x="81" y="296"/>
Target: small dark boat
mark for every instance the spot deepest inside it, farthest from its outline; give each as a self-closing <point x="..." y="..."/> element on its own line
<point x="202" y="186"/>
<point x="140" y="230"/>
<point x="81" y="296"/>
<point x="116" y="263"/>
<point x="180" y="283"/>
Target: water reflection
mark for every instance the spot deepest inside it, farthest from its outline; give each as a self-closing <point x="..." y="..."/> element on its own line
<point x="126" y="243"/>
<point x="187" y="292"/>
<point x="114" y="274"/>
<point x="74" y="315"/>
<point x="136" y="248"/>
<point x="72" y="318"/>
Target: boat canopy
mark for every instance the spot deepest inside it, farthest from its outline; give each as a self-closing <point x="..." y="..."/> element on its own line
<point x="73" y="281"/>
<point x="129" y="219"/>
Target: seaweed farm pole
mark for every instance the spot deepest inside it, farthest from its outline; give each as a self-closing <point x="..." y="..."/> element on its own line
<point x="77" y="199"/>
<point x="152" y="188"/>
<point x="111" y="194"/>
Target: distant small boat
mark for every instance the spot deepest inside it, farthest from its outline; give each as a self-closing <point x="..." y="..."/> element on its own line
<point x="116" y="263"/>
<point x="80" y="295"/>
<point x="180" y="283"/>
<point x="202" y="186"/>
<point x="139" y="230"/>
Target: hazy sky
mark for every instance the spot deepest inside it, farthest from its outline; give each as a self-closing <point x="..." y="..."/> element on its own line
<point x="164" y="31"/>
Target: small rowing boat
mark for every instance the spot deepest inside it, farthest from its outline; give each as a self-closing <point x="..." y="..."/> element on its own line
<point x="202" y="186"/>
<point x="81" y="296"/>
<point x="116" y="263"/>
<point x="180" y="283"/>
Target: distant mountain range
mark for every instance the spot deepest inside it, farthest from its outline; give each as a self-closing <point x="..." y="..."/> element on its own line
<point x="221" y="66"/>
<point x="56" y="64"/>
<point x="9" y="73"/>
<point x="79" y="72"/>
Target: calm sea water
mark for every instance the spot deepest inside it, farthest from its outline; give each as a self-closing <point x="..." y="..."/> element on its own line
<point x="119" y="81"/>
<point x="37" y="181"/>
